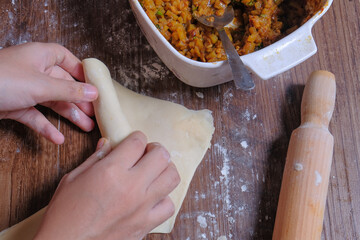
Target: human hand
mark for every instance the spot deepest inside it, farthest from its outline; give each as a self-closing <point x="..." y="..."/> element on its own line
<point x="122" y="194"/>
<point x="43" y="73"/>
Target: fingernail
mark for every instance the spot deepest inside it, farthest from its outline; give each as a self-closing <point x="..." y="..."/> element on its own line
<point x="103" y="148"/>
<point x="90" y="92"/>
<point x="166" y="155"/>
<point x="101" y="143"/>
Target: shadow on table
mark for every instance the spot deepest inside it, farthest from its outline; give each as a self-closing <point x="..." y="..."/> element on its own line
<point x="276" y="163"/>
<point x="30" y="157"/>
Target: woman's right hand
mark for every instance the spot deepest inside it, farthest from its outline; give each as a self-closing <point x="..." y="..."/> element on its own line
<point x="118" y="194"/>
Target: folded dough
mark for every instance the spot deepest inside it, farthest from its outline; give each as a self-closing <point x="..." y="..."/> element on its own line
<point x="185" y="133"/>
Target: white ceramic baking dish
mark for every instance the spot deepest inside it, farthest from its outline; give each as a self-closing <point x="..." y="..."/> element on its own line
<point x="266" y="63"/>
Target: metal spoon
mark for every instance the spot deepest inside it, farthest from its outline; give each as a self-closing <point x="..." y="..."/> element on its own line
<point x="241" y="75"/>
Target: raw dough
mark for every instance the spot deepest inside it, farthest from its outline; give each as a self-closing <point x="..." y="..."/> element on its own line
<point x="185" y="133"/>
<point x="26" y="229"/>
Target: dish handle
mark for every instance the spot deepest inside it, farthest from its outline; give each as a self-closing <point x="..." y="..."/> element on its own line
<point x="283" y="54"/>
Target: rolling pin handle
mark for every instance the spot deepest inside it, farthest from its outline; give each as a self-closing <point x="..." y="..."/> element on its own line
<point x="318" y="99"/>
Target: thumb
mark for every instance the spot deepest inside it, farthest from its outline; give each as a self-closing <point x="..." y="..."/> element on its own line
<point x="56" y="89"/>
<point x="103" y="148"/>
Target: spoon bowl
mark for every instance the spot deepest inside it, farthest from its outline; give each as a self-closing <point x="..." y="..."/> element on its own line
<point x="241" y="75"/>
<point x="217" y="21"/>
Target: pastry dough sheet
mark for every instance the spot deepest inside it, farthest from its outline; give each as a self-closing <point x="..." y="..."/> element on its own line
<point x="185" y="133"/>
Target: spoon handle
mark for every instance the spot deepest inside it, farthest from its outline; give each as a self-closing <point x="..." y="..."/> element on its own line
<point x="241" y="75"/>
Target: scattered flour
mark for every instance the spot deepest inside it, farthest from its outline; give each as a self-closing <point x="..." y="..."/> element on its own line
<point x="242" y="208"/>
<point x="225" y="175"/>
<point x="128" y="76"/>
<point x="152" y="71"/>
<point x="202" y="221"/>
<point x="100" y="154"/>
<point x="174" y="94"/>
<point x="199" y="95"/>
<point x="298" y="166"/>
<point x="243" y="188"/>
<point x="244" y="144"/>
<point x="196" y="196"/>
<point x="222" y="238"/>
<point x="227" y="98"/>
<point x="225" y="170"/>
<point x="318" y="178"/>
<point x="247" y="115"/>
<point x="206" y="220"/>
<point x="74" y="115"/>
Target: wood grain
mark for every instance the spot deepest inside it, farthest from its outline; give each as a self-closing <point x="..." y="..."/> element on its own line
<point x="302" y="200"/>
<point x="236" y="188"/>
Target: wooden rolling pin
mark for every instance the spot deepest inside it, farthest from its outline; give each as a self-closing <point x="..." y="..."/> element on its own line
<point x="301" y="206"/>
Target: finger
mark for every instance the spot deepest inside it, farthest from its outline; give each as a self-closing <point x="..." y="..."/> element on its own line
<point x="153" y="163"/>
<point x="34" y="119"/>
<point x="53" y="89"/>
<point x="58" y="72"/>
<point x="164" y="184"/>
<point x="129" y="151"/>
<point x="87" y="108"/>
<point x="102" y="150"/>
<point x="161" y="212"/>
<point x="71" y="112"/>
<point x="66" y="60"/>
<point x="151" y="146"/>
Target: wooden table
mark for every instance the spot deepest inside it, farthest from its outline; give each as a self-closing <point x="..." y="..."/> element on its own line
<point x="235" y="190"/>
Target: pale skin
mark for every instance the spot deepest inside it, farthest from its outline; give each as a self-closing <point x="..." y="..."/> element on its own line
<point x="119" y="193"/>
<point x="38" y="73"/>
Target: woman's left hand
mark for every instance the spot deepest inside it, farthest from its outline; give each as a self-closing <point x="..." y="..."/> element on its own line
<point x="43" y="73"/>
